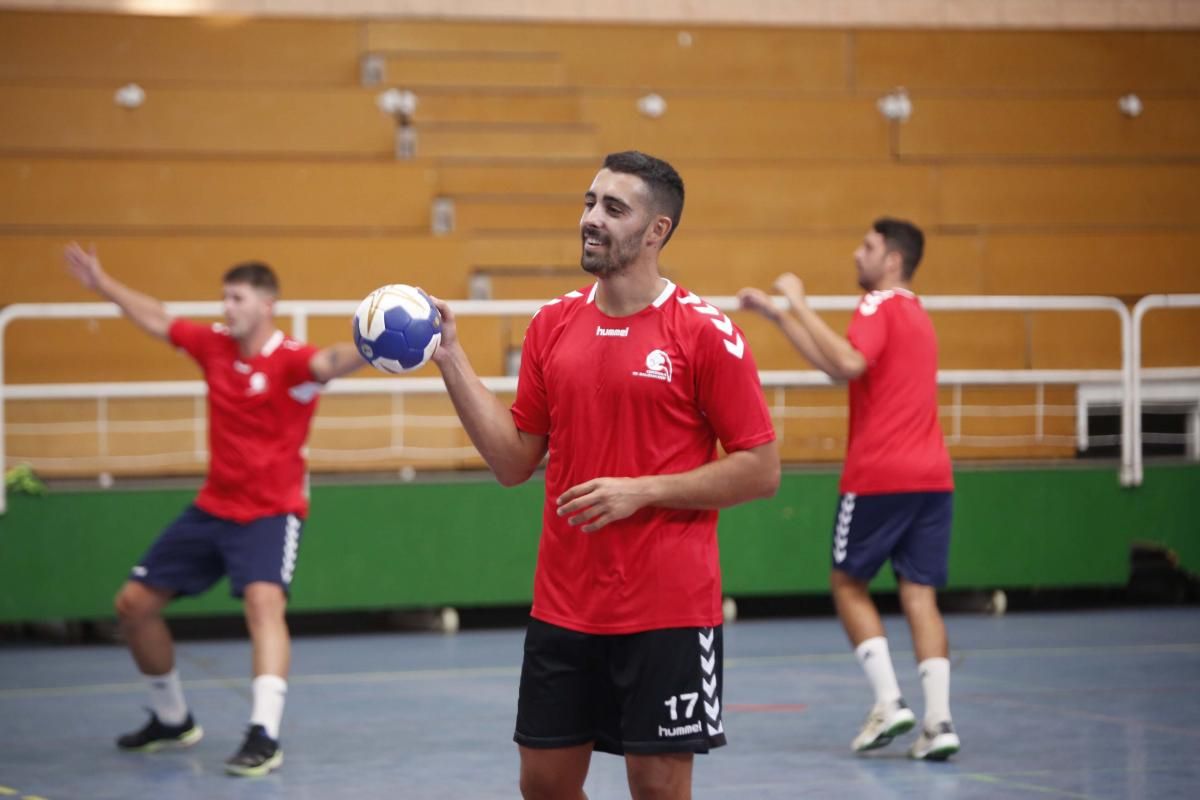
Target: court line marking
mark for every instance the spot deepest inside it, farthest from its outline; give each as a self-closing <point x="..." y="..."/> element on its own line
<point x="984" y="777"/>
<point x="237" y="684"/>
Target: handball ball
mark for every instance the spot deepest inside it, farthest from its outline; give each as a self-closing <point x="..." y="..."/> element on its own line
<point x="397" y="328"/>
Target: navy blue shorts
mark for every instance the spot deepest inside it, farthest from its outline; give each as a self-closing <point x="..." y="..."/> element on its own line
<point x="197" y="550"/>
<point x="910" y="528"/>
<point x="646" y="693"/>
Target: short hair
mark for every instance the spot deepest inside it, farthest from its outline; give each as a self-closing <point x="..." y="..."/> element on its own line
<point x="666" y="187"/>
<point x="905" y="238"/>
<point x="255" y="274"/>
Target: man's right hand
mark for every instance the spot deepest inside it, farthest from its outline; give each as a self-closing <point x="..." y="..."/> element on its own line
<point x="84" y="266"/>
<point x="792" y="288"/>
<point x="449" y="332"/>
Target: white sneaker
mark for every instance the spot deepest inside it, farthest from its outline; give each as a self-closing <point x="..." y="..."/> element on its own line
<point x="884" y="723"/>
<point x="936" y="743"/>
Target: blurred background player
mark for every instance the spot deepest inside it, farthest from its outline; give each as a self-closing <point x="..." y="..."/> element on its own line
<point x="897" y="487"/>
<point x="247" y="519"/>
<point x="628" y="384"/>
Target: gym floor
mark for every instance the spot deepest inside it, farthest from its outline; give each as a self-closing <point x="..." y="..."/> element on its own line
<point x="1080" y="704"/>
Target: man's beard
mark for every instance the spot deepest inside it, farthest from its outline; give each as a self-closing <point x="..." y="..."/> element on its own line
<point x="614" y="259"/>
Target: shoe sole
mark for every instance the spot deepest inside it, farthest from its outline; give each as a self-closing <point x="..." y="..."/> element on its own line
<point x="885" y="738"/>
<point x="274" y="762"/>
<point x="939" y="753"/>
<point x="182" y="743"/>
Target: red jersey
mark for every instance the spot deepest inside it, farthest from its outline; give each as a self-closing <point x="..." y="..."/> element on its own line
<point x="647" y="394"/>
<point x="259" y="411"/>
<point x="896" y="442"/>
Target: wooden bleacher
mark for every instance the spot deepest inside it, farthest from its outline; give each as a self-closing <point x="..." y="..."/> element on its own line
<point x="259" y="139"/>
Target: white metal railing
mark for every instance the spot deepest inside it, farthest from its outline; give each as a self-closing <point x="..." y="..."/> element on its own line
<point x="301" y="310"/>
<point x="1134" y="362"/>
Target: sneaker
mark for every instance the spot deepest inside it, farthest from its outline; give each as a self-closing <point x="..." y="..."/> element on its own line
<point x="259" y="755"/>
<point x="155" y="735"/>
<point x="937" y="743"/>
<point x="884" y="723"/>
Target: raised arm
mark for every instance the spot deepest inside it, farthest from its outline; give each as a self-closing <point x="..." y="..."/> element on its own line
<point x="760" y="302"/>
<point x="512" y="454"/>
<point x="144" y="311"/>
<point x="335" y="361"/>
<point x="843" y="361"/>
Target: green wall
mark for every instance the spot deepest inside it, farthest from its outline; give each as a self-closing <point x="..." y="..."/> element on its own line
<point x="469" y="542"/>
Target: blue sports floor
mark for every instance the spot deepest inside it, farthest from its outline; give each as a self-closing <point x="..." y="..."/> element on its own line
<point x="1087" y="704"/>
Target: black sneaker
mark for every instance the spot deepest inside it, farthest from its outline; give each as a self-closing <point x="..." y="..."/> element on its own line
<point x="259" y="755"/>
<point x="156" y="735"/>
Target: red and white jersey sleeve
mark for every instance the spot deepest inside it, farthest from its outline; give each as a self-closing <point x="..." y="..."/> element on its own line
<point x="647" y="394"/>
<point x="260" y="409"/>
<point x="895" y="441"/>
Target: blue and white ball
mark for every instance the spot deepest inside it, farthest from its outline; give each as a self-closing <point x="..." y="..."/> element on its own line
<point x="397" y="328"/>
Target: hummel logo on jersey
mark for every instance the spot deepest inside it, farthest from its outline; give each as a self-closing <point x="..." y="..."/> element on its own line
<point x="242" y="367"/>
<point x="658" y="366"/>
<point x="611" y="331"/>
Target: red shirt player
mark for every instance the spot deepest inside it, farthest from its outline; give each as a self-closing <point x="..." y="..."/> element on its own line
<point x="247" y="520"/>
<point x="629" y="385"/>
<point x="897" y="486"/>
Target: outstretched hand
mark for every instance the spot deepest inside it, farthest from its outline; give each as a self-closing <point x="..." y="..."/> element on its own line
<point x="83" y="265"/>
<point x="595" y="503"/>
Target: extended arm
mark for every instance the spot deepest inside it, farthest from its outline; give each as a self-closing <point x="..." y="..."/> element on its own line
<point x="738" y="477"/>
<point x="843" y="362"/>
<point x="335" y="361"/>
<point x="511" y="453"/>
<point x="760" y="302"/>
<point x="144" y="311"/>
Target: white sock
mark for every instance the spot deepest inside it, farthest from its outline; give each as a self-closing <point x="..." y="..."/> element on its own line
<point x="166" y="698"/>
<point x="269" y="694"/>
<point x="876" y="661"/>
<point x="935" y="680"/>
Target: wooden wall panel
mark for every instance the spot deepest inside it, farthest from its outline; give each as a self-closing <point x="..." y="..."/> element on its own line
<point x="222" y="195"/>
<point x="190" y="267"/>
<point x="1027" y="61"/>
<point x="1059" y="196"/>
<point x="415" y="70"/>
<point x="742" y="127"/>
<point x="85" y="48"/>
<point x="505" y="141"/>
<point x="1075" y="340"/>
<point x="652" y="57"/>
<point x="1100" y="261"/>
<point x="752" y="198"/>
<point x="1171" y="338"/>
<point x="1067" y="128"/>
<point x="268" y="123"/>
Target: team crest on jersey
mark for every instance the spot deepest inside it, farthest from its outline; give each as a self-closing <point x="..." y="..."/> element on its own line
<point x="658" y="366"/>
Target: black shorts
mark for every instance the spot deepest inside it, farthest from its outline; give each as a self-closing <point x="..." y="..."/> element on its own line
<point x="197" y="549"/>
<point x="644" y="693"/>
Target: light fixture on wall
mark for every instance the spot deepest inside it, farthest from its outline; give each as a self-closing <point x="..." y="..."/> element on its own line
<point x="130" y="96"/>
<point x="1130" y="105"/>
<point x="401" y="105"/>
<point x="895" y="106"/>
<point x="652" y="105"/>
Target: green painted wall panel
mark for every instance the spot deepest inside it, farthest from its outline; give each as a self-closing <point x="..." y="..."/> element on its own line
<point x="474" y="543"/>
